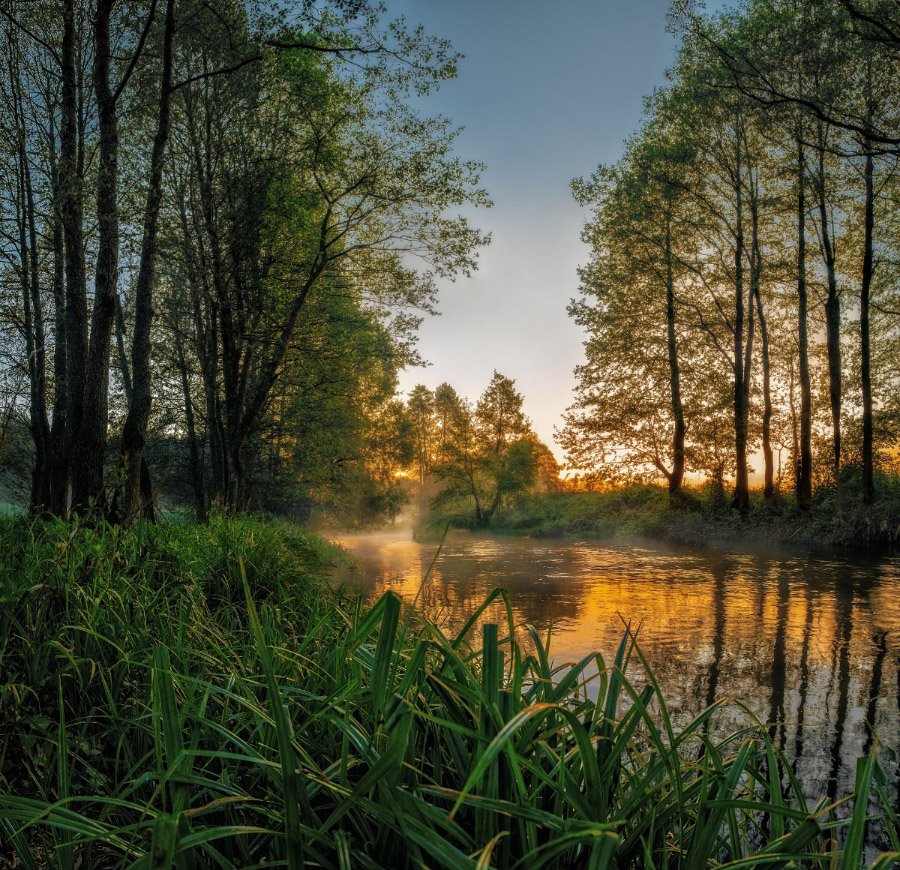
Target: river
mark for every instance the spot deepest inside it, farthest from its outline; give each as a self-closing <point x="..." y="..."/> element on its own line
<point x="810" y="643"/>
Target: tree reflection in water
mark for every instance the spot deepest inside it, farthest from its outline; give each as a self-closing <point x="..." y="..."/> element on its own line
<point x="809" y="644"/>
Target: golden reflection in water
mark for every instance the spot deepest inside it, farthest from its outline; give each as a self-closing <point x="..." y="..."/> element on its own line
<point x="809" y="644"/>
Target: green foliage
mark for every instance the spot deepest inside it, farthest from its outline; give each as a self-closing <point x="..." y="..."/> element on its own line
<point x="704" y="517"/>
<point x="150" y="725"/>
<point x="486" y="454"/>
<point x="741" y="192"/>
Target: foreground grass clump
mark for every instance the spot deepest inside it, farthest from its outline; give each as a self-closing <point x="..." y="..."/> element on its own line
<point x="183" y="697"/>
<point x="839" y="519"/>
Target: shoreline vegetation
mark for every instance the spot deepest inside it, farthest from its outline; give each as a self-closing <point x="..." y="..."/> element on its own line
<point x="701" y="518"/>
<point x="178" y="695"/>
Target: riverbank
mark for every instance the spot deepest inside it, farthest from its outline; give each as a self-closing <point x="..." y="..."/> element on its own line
<point x="201" y="694"/>
<point x="706" y="519"/>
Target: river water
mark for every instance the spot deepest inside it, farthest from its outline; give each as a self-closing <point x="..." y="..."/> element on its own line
<point x="809" y="643"/>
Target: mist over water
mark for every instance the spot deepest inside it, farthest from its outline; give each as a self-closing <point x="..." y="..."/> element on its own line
<point x="810" y="644"/>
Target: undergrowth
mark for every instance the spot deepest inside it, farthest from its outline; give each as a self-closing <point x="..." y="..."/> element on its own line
<point x="181" y="696"/>
<point x="837" y="518"/>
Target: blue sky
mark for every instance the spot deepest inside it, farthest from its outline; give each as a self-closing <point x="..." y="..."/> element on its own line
<point x="546" y="92"/>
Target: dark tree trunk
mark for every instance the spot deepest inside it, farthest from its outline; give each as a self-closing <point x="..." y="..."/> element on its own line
<point x="146" y="480"/>
<point x="769" y="484"/>
<point x="804" y="461"/>
<point x="32" y="309"/>
<point x="87" y="472"/>
<point x="756" y="297"/>
<point x="832" y="315"/>
<point x="864" y="339"/>
<point x="41" y="491"/>
<point x="200" y="507"/>
<point x="134" y="435"/>
<point x="71" y="208"/>
<point x="124" y="369"/>
<point x="741" y="354"/>
<point x="676" y="477"/>
<point x="33" y="332"/>
<point x="58" y="454"/>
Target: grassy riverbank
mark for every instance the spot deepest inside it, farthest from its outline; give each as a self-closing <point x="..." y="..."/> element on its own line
<point x="198" y="696"/>
<point x="705" y="517"/>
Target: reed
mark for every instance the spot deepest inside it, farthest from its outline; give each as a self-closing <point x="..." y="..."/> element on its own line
<point x="153" y="720"/>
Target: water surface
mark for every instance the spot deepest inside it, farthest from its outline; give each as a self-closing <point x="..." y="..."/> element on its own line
<point x="810" y="643"/>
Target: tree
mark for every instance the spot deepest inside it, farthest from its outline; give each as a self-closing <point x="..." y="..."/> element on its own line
<point x="630" y="391"/>
<point x="420" y="407"/>
<point x="275" y="152"/>
<point x="267" y="223"/>
<point x="490" y="452"/>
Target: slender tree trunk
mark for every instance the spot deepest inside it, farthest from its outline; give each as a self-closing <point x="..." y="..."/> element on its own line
<point x="756" y="293"/>
<point x="677" y="475"/>
<point x="87" y="473"/>
<point x="41" y="492"/>
<point x="200" y="506"/>
<point x="741" y="367"/>
<point x="795" y="425"/>
<point x="804" y="472"/>
<point x="769" y="485"/>
<point x="146" y="480"/>
<point x="58" y="454"/>
<point x="71" y="210"/>
<point x="31" y="317"/>
<point x="832" y="315"/>
<point x="864" y="339"/>
<point x="865" y="345"/>
<point x="124" y="369"/>
<point x="32" y="308"/>
<point x="134" y="434"/>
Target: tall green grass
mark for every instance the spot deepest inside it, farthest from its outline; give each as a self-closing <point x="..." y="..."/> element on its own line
<point x="184" y="697"/>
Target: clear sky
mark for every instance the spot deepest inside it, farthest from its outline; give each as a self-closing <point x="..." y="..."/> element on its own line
<point x="546" y="91"/>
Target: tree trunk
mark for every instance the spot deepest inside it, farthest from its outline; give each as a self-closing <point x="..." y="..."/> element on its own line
<point x="71" y="208"/>
<point x="146" y="481"/>
<point x="756" y="294"/>
<point x="804" y="471"/>
<point x="769" y="485"/>
<point x="134" y="434"/>
<point x="41" y="493"/>
<point x="832" y="316"/>
<point x="864" y="340"/>
<point x="88" y="492"/>
<point x="57" y="454"/>
<point x="33" y="331"/>
<point x="196" y="467"/>
<point x="868" y="269"/>
<point x="741" y="358"/>
<point x="677" y="474"/>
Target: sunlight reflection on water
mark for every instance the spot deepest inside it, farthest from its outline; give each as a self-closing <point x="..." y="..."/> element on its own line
<point x="809" y="643"/>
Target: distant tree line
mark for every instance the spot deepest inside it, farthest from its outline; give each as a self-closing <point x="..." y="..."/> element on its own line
<point x="220" y="224"/>
<point x="469" y="459"/>
<point x="742" y="298"/>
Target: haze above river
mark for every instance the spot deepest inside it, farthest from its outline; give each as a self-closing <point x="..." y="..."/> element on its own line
<point x="808" y="642"/>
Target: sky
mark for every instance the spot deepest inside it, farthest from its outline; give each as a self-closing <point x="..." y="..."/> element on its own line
<point x="546" y="91"/>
